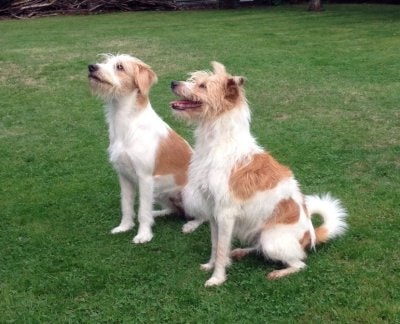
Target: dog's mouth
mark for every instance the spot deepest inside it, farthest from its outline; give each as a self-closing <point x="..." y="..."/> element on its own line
<point x="94" y="77"/>
<point x="184" y="104"/>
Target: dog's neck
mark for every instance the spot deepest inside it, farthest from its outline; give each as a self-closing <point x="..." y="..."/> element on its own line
<point x="230" y="130"/>
<point x="121" y="111"/>
<point x="133" y="101"/>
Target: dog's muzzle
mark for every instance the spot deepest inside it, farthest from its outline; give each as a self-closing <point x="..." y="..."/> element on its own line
<point x="184" y="103"/>
<point x="92" y="68"/>
<point x="93" y="75"/>
<point x="174" y="84"/>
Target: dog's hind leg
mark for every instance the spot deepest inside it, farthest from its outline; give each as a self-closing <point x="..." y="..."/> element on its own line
<point x="127" y="199"/>
<point x="293" y="268"/>
<point x="282" y="245"/>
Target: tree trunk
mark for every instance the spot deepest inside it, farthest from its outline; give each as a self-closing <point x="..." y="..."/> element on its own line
<point x="315" y="5"/>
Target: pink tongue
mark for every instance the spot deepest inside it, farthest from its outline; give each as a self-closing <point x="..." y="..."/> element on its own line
<point x="185" y="104"/>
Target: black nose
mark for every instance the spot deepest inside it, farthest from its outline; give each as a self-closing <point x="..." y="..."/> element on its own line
<point x="92" y="67"/>
<point x="174" y="84"/>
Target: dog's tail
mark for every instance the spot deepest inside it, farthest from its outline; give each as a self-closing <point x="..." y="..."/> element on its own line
<point x="333" y="215"/>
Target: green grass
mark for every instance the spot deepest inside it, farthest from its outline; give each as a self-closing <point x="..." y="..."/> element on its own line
<point x="325" y="94"/>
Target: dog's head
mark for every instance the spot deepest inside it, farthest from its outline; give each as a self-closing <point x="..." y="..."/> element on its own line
<point x="207" y="95"/>
<point x="119" y="76"/>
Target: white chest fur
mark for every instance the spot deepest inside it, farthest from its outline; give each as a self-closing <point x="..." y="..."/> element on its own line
<point x="219" y="146"/>
<point x="134" y="138"/>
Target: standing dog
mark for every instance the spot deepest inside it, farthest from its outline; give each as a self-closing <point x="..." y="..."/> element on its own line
<point x="241" y="188"/>
<point x="143" y="149"/>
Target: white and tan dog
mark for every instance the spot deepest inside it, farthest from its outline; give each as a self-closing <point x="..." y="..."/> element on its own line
<point x="240" y="188"/>
<point x="143" y="149"/>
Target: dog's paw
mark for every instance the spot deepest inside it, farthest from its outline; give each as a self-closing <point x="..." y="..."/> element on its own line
<point x="122" y="228"/>
<point x="238" y="254"/>
<point x="143" y="237"/>
<point x="207" y="266"/>
<point x="276" y="274"/>
<point x="215" y="281"/>
<point x="191" y="226"/>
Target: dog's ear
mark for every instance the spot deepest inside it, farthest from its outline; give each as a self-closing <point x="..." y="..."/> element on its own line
<point x="219" y="68"/>
<point x="232" y="88"/>
<point x="145" y="77"/>
<point x="239" y="80"/>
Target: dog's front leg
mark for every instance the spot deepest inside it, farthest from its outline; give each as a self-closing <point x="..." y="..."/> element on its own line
<point x="214" y="241"/>
<point x="224" y="228"/>
<point x="194" y="205"/>
<point x="145" y="215"/>
<point x="127" y="199"/>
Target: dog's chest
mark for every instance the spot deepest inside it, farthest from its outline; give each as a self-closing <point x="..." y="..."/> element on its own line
<point x="210" y="173"/>
<point x="134" y="140"/>
<point x="132" y="155"/>
<point x="122" y="161"/>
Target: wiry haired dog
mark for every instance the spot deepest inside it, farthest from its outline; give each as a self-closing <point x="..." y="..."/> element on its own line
<point x="241" y="188"/>
<point x="143" y="149"/>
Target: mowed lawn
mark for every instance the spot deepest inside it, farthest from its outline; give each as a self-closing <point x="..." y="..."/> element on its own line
<point x="325" y="94"/>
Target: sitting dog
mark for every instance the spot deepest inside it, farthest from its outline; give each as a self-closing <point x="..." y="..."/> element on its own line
<point x="144" y="150"/>
<point x="240" y="188"/>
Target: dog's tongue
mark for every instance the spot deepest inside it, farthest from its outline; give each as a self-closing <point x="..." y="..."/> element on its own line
<point x="185" y="104"/>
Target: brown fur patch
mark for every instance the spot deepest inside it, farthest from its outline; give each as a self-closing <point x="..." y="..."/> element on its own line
<point x="142" y="100"/>
<point x="232" y="91"/>
<point x="137" y="75"/>
<point x="263" y="172"/>
<point x="305" y="241"/>
<point x="173" y="157"/>
<point x="144" y="79"/>
<point x="287" y="211"/>
<point x="321" y="234"/>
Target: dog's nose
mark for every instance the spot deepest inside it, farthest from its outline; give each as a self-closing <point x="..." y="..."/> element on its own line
<point x="92" y="67"/>
<point x="174" y="84"/>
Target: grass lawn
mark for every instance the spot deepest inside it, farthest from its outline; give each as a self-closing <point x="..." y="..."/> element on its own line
<point x="325" y="93"/>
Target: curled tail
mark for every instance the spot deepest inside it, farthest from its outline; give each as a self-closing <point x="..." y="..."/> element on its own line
<point x="333" y="215"/>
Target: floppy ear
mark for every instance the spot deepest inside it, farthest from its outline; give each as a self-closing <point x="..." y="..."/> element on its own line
<point x="218" y="68"/>
<point x="144" y="78"/>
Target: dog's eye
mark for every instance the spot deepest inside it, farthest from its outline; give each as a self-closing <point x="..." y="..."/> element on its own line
<point x="119" y="67"/>
<point x="202" y="86"/>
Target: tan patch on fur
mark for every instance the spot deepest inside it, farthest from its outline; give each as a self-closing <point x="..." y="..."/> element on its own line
<point x="263" y="172"/>
<point x="144" y="79"/>
<point x="233" y="92"/>
<point x="173" y="157"/>
<point x="321" y="234"/>
<point x="305" y="241"/>
<point x="142" y="100"/>
<point x="138" y="76"/>
<point x="287" y="211"/>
